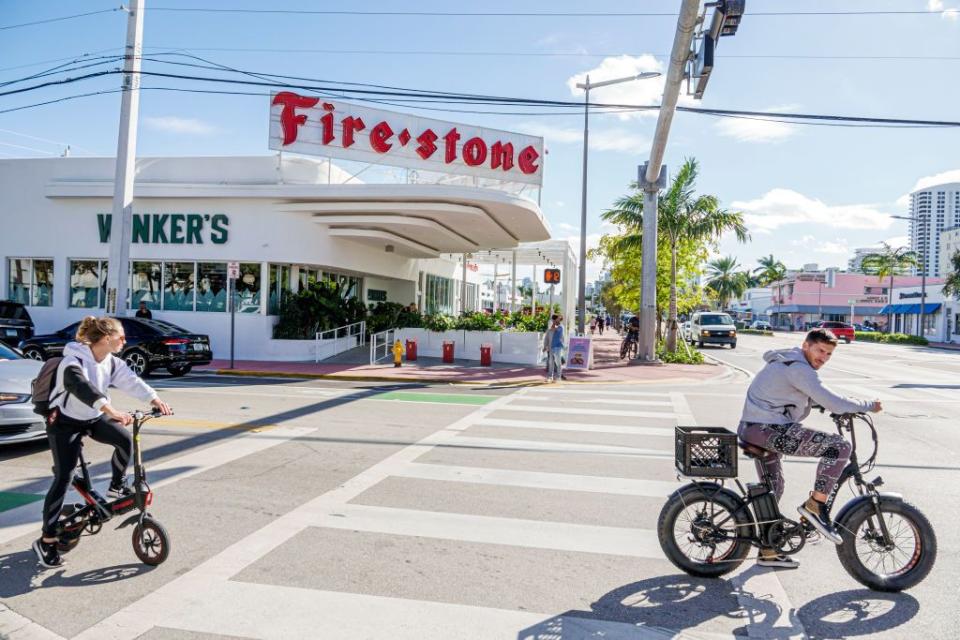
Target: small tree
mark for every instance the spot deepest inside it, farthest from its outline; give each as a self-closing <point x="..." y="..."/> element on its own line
<point x="951" y="286"/>
<point x="887" y="263"/>
<point x="725" y="280"/>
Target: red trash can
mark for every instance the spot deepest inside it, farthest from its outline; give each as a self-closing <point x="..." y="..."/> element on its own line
<point x="485" y="350"/>
<point x="411" y="350"/>
<point x="448" y="351"/>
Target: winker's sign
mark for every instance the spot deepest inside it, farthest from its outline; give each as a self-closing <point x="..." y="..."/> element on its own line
<point x="310" y="125"/>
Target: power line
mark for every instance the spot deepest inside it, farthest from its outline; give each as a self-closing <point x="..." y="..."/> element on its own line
<point x="74" y="58"/>
<point x="529" y="14"/>
<point x="61" y="18"/>
<point x="64" y="99"/>
<point x="48" y="141"/>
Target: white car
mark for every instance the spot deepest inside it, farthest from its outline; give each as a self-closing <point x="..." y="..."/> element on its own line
<point x="18" y="422"/>
<point x="713" y="327"/>
<point x="761" y="325"/>
<point x="685" y="331"/>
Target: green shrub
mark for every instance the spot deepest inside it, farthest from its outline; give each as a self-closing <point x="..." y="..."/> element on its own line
<point x="389" y="315"/>
<point x="478" y="321"/>
<point x="680" y="356"/>
<point x="318" y="307"/>
<point x="438" y="322"/>
<point x="756" y="332"/>
<point x="890" y="338"/>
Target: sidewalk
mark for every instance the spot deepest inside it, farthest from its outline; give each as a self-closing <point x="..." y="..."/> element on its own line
<point x="608" y="368"/>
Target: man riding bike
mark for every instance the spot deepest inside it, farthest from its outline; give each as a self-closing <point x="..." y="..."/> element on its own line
<point x="779" y="397"/>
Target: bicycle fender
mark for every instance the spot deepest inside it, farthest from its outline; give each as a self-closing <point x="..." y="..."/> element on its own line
<point x="129" y="521"/>
<point x="849" y="507"/>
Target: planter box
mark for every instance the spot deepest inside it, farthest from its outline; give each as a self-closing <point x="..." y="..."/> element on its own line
<point x="520" y="347"/>
<point x="516" y="347"/>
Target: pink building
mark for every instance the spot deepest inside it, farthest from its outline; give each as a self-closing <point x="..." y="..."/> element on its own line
<point x="806" y="297"/>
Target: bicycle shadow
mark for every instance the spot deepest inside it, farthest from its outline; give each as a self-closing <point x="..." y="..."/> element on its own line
<point x="668" y="606"/>
<point x="20" y="573"/>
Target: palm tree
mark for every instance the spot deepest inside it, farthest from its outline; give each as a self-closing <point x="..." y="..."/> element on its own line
<point x="724" y="279"/>
<point x="887" y="263"/>
<point x="770" y="272"/>
<point x="951" y="286"/>
<point x="682" y="215"/>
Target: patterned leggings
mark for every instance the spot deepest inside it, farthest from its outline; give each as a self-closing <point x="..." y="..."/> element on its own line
<point x="796" y="440"/>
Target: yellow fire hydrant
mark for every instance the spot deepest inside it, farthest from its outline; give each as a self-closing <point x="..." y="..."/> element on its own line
<point x="397" y="353"/>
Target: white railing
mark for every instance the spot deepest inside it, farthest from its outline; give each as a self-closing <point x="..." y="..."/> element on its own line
<point x="343" y="338"/>
<point x="382" y="341"/>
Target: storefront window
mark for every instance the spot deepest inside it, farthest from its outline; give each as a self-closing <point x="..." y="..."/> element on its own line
<point x="31" y="281"/>
<point x="438" y="295"/>
<point x="248" y="288"/>
<point x="86" y="278"/>
<point x="145" y="283"/>
<point x="178" y="286"/>
<point x="212" y="286"/>
<point x="19" y="283"/>
<point x="279" y="282"/>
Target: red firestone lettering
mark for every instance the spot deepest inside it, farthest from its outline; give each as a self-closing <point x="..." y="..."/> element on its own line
<point x="351" y="124"/>
<point x="501" y="155"/>
<point x="379" y="136"/>
<point x="450" y="151"/>
<point x="326" y="122"/>
<point x="475" y="152"/>
<point x="290" y="120"/>
<point x="427" y="147"/>
<point x="527" y="160"/>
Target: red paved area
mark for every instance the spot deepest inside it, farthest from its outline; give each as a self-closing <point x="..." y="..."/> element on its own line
<point x="608" y="369"/>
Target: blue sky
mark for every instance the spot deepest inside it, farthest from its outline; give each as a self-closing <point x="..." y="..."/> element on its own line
<point x="811" y="194"/>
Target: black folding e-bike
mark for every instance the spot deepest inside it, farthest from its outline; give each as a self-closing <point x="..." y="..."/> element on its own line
<point x="707" y="530"/>
<point x="151" y="543"/>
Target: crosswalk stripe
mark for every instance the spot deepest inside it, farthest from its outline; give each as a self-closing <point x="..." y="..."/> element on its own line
<point x="613" y="402"/>
<point x="538" y="480"/>
<point x="588" y="412"/>
<point x="589" y="427"/>
<point x="558" y="536"/>
<point x="596" y="392"/>
<point x="556" y="447"/>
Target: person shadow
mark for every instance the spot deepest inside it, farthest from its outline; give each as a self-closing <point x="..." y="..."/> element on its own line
<point x="20" y="573"/>
<point x="667" y="606"/>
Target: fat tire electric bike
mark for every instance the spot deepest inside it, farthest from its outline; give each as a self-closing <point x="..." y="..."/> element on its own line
<point x="707" y="529"/>
<point x="151" y="544"/>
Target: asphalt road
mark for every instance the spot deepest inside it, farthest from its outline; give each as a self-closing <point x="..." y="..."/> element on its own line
<point x="306" y="509"/>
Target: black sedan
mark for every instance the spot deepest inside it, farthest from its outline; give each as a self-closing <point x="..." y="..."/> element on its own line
<point x="15" y="323"/>
<point x="151" y="344"/>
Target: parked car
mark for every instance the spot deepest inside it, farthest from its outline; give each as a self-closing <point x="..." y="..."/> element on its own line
<point x="18" y="422"/>
<point x="761" y="325"/>
<point x="685" y="331"/>
<point x="713" y="327"/>
<point x="151" y="344"/>
<point x="842" y="330"/>
<point x="15" y="323"/>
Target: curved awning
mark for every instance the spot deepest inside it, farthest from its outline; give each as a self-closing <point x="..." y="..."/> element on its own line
<point x="910" y="309"/>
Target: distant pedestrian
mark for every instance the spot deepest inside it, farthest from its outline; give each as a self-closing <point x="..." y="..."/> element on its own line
<point x="600" y="324"/>
<point x="143" y="312"/>
<point x="593" y="325"/>
<point x="553" y="344"/>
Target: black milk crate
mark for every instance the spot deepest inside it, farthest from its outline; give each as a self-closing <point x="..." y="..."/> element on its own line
<point x="708" y="452"/>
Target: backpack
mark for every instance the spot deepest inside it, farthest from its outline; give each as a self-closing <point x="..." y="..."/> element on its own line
<point x="43" y="385"/>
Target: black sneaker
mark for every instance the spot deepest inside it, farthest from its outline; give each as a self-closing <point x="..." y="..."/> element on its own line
<point x="115" y="492"/>
<point x="819" y="517"/>
<point x="47" y="554"/>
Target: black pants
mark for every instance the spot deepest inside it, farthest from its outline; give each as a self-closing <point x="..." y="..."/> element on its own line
<point x="65" y="436"/>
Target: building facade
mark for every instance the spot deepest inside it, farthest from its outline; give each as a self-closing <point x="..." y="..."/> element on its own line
<point x="941" y="315"/>
<point x="933" y="210"/>
<point x="949" y="245"/>
<point x="279" y="217"/>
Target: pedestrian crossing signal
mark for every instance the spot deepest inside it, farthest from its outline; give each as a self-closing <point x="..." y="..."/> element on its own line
<point x="551" y="276"/>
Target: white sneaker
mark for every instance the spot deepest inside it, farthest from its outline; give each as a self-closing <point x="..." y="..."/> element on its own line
<point x="779" y="561"/>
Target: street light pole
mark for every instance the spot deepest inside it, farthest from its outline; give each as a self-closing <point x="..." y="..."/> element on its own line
<point x="582" y="279"/>
<point x="923" y="267"/>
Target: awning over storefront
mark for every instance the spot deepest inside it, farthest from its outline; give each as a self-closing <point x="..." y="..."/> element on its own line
<point x="910" y="309"/>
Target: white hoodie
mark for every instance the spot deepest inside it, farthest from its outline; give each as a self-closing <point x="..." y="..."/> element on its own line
<point x="111" y="372"/>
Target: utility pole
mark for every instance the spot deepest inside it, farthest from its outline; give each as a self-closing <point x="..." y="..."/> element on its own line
<point x="122" y="217"/>
<point x="653" y="177"/>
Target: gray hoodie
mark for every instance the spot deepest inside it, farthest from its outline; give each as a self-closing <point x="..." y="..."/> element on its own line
<point x="787" y="386"/>
<point x="91" y="379"/>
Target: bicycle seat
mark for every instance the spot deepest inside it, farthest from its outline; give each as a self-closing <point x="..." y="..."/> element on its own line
<point x="752" y="451"/>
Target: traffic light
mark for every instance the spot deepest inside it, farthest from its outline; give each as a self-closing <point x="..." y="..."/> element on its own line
<point x="726" y="19"/>
<point x="551" y="276"/>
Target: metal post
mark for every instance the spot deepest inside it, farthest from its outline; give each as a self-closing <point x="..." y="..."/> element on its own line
<point x="647" y="350"/>
<point x="582" y="275"/>
<point x="463" y="287"/>
<point x="496" y="288"/>
<point x="923" y="276"/>
<point x="122" y="217"/>
<point x="550" y="312"/>
<point x="533" y="293"/>
<point x="513" y="281"/>
<point x="232" y="283"/>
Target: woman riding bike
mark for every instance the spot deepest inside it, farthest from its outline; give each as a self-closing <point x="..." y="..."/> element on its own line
<point x="81" y="406"/>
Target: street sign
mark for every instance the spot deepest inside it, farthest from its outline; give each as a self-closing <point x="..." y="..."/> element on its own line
<point x="551" y="276"/>
<point x="233" y="270"/>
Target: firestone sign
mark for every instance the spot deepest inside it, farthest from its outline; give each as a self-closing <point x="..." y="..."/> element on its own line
<point x="305" y="124"/>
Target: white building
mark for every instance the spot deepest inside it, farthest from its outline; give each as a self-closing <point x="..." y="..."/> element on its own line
<point x="933" y="210"/>
<point x="755" y="302"/>
<point x="941" y="316"/>
<point x="949" y="244"/>
<point x="279" y="216"/>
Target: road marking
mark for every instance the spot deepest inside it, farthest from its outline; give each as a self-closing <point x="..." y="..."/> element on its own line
<point x="588" y="427"/>
<point x="538" y="480"/>
<point x="554" y="447"/>
<point x="607" y="401"/>
<point x="594" y="393"/>
<point x="14" y="626"/>
<point x="587" y="412"/>
<point x="442" y="398"/>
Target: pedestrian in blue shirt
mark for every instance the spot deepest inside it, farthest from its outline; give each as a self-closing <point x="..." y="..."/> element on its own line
<point x="553" y="345"/>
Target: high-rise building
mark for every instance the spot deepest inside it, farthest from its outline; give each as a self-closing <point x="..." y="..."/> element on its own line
<point x="933" y="209"/>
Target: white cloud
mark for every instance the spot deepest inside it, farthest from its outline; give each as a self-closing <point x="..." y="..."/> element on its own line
<point x="949" y="13"/>
<point x="174" y="124"/>
<point x="594" y="267"/>
<point x="615" y="139"/>
<point x="939" y="178"/>
<point x="563" y="226"/>
<point x="810" y="243"/>
<point x="638" y="92"/>
<point x="898" y="241"/>
<point x="758" y="129"/>
<point x="782" y="207"/>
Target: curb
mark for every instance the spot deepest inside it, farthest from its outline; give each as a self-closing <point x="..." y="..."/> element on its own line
<point x="723" y="363"/>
